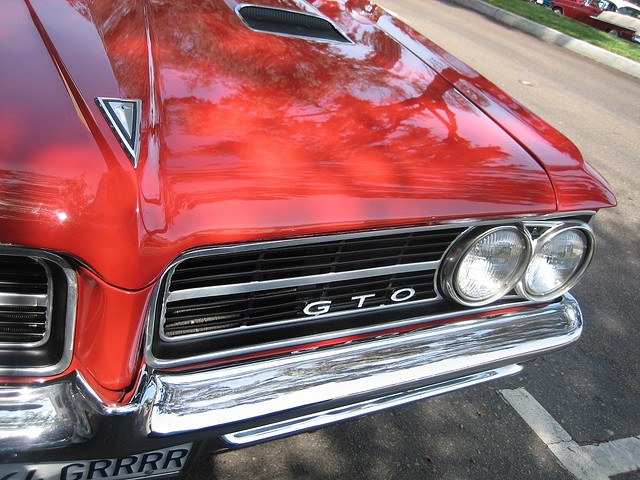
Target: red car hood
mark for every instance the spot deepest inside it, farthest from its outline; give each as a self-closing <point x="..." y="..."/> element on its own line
<point x="247" y="135"/>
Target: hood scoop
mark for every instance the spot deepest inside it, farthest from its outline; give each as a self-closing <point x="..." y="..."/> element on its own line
<point x="290" y="22"/>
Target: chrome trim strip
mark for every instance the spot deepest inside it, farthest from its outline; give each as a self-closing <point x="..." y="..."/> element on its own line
<point x="231" y="289"/>
<point x="182" y="402"/>
<point x="327" y="417"/>
<point x="316" y="14"/>
<point x="23" y="300"/>
<point x="351" y="332"/>
<point x="299" y="340"/>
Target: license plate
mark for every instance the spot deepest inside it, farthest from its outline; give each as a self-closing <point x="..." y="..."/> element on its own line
<point x="166" y="461"/>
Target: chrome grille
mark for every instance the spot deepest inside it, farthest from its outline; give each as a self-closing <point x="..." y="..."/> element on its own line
<point x="24" y="301"/>
<point x="252" y="309"/>
<point x="325" y="257"/>
<point x="237" y="302"/>
<point x="227" y="290"/>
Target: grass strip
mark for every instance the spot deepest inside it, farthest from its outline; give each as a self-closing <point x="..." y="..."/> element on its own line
<point x="581" y="31"/>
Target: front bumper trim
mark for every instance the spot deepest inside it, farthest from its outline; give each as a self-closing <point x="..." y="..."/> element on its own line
<point x="319" y="419"/>
<point x="268" y="398"/>
<point x="191" y="401"/>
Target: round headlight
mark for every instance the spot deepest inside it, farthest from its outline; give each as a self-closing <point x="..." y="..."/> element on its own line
<point x="560" y="257"/>
<point x="488" y="266"/>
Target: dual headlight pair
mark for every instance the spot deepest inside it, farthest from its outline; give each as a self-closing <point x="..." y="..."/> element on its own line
<point x="483" y="267"/>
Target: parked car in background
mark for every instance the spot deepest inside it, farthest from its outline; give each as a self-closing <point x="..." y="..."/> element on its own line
<point x="624" y="4"/>
<point x="581" y="10"/>
<point x="624" y="23"/>
<point x="222" y="223"/>
<point x="616" y="17"/>
<point x="546" y="3"/>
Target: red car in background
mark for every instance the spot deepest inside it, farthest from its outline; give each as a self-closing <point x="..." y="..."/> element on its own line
<point x="624" y="23"/>
<point x="582" y="10"/>
<point x="225" y="222"/>
<point x="600" y="14"/>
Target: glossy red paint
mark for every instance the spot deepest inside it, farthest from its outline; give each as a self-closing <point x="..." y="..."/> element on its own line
<point x="245" y="136"/>
<point x="108" y="343"/>
<point x="577" y="185"/>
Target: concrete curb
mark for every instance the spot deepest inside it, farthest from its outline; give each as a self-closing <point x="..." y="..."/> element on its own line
<point x="550" y="35"/>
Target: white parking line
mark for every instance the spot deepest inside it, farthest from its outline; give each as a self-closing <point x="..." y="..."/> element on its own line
<point x="591" y="462"/>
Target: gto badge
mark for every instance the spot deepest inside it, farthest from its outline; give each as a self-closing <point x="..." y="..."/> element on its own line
<point x="324" y="306"/>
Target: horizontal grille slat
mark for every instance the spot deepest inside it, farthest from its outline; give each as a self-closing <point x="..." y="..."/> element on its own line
<point x="22" y="326"/>
<point x="291" y="297"/>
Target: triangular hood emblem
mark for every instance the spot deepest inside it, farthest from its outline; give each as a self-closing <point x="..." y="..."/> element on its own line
<point x="123" y="115"/>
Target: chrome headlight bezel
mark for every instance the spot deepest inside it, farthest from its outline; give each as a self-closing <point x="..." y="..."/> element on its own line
<point x="517" y="284"/>
<point x="538" y="244"/>
<point x="453" y="261"/>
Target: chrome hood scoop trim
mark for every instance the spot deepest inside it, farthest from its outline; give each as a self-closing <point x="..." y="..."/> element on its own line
<point x="290" y="22"/>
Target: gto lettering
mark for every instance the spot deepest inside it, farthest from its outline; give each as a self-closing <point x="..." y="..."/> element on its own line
<point x="403" y="294"/>
<point x="362" y="298"/>
<point x="317" y="308"/>
<point x="324" y="306"/>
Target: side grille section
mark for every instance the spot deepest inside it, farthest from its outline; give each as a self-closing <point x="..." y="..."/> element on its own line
<point x="234" y="298"/>
<point x="24" y="301"/>
<point x="38" y="296"/>
<point x="290" y="22"/>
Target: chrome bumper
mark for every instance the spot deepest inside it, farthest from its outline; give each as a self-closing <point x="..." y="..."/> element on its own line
<point x="256" y="401"/>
